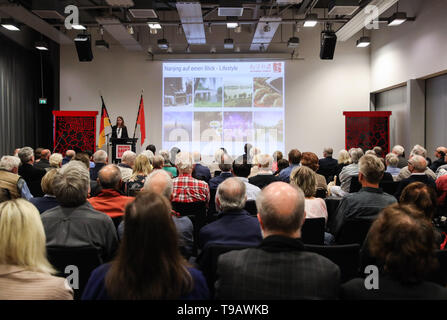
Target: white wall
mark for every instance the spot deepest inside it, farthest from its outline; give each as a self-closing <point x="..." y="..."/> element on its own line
<point x="317" y="92"/>
<point x="412" y="50"/>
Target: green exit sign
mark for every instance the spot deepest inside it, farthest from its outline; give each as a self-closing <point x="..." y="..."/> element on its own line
<point x="43" y="101"/>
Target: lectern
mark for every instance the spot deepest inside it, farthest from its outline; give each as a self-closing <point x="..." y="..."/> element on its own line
<point x="119" y="146"/>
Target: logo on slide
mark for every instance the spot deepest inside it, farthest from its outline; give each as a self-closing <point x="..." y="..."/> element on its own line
<point x="277" y="67"/>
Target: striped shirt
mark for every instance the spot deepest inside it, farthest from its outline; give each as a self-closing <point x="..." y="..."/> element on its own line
<point x="188" y="189"/>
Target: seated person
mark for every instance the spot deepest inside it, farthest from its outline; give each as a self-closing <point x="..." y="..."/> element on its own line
<point x="48" y="201"/>
<point x="25" y="273"/>
<point x="264" y="175"/>
<point x="402" y="242"/>
<point x="148" y="265"/>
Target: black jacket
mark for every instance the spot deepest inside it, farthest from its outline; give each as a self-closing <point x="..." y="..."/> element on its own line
<point x="415" y="178"/>
<point x="33" y="177"/>
<point x="124" y="134"/>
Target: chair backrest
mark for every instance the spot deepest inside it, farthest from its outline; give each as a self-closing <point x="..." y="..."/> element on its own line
<point x="389" y="187"/>
<point x="354" y="231"/>
<point x="347" y="257"/>
<point x="312" y="231"/>
<point x="250" y="207"/>
<point x="207" y="262"/>
<point x="117" y="221"/>
<point x="355" y="185"/>
<point x="332" y="204"/>
<point x="86" y="259"/>
<point x="212" y="205"/>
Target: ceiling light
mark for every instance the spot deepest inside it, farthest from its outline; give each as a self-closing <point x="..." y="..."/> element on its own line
<point x="363" y="42"/>
<point x="81" y="38"/>
<point x="163" y="44"/>
<point x="41" y="45"/>
<point x="397" y="19"/>
<point x="10" y="25"/>
<point x="311" y="21"/>
<point x="154" y="25"/>
<point x="153" y="31"/>
<point x="78" y="27"/>
<point x="293" y="42"/>
<point x="232" y="25"/>
<point x="229" y="43"/>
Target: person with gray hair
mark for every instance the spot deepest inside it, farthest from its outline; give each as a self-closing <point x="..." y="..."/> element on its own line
<point x="149" y="155"/>
<point x="265" y="175"/>
<point x="126" y="164"/>
<point x="110" y="200"/>
<point x="367" y="203"/>
<point x="75" y="223"/>
<point x="200" y="171"/>
<point x="327" y="166"/>
<point x="392" y="161"/>
<point x="225" y="165"/>
<point x="405" y="172"/>
<point x="33" y="176"/>
<point x="417" y="165"/>
<point x="235" y="225"/>
<point x="349" y="171"/>
<point x="158" y="162"/>
<point x="100" y="159"/>
<point x="56" y="160"/>
<point x="186" y="188"/>
<point x="160" y="182"/>
<point x="399" y="151"/>
<point x="280" y="267"/>
<point x="13" y="184"/>
<point x="168" y="165"/>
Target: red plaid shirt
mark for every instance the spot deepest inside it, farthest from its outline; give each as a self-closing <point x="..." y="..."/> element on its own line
<point x="188" y="189"/>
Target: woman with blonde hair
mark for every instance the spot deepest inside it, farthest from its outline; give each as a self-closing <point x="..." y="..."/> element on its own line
<point x="25" y="273"/>
<point x="141" y="170"/>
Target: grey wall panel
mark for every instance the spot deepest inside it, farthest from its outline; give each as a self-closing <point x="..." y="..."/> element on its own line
<point x="436" y="114"/>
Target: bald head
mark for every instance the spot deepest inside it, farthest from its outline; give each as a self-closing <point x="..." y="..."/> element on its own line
<point x="417" y="164"/>
<point x="45" y="154"/>
<point x="160" y="182"/>
<point x="231" y="195"/>
<point x="70" y="154"/>
<point x="281" y="209"/>
<point x="110" y="177"/>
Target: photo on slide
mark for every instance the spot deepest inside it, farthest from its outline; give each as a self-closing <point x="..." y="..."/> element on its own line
<point x="238" y="92"/>
<point x="177" y="92"/>
<point x="269" y="126"/>
<point x="208" y="92"/>
<point x="210" y="124"/>
<point x="268" y="92"/>
<point x="177" y="126"/>
<point x="238" y="126"/>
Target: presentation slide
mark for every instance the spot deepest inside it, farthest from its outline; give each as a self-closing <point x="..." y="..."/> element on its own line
<point x="208" y="105"/>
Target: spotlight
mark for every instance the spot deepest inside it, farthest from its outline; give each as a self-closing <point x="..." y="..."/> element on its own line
<point x="163" y="44"/>
<point x="237" y="49"/>
<point x="41" y="45"/>
<point x="130" y="29"/>
<point x="363" y="42"/>
<point x="232" y="25"/>
<point x="262" y="48"/>
<point x="397" y="19"/>
<point x="169" y="50"/>
<point x="213" y="49"/>
<point x="293" y="42"/>
<point x="267" y="27"/>
<point x="238" y="29"/>
<point x="311" y="21"/>
<point x="153" y="31"/>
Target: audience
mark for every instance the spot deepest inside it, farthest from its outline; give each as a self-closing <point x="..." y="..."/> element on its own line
<point x="279" y="268"/>
<point x="161" y="182"/>
<point x="167" y="165"/>
<point x="225" y="169"/>
<point x="294" y="161"/>
<point x="56" y="161"/>
<point x="402" y="241"/>
<point x="235" y="225"/>
<point x="327" y="166"/>
<point x="265" y="175"/>
<point x="148" y="264"/>
<point x="75" y="223"/>
<point x="141" y="170"/>
<point x="441" y="187"/>
<point x="37" y="154"/>
<point x="200" y="171"/>
<point x="399" y="151"/>
<point x="440" y="155"/>
<point x="343" y="160"/>
<point x="44" y="161"/>
<point x="350" y="170"/>
<point x="367" y="203"/>
<point x="255" y="153"/>
<point x="14" y="185"/>
<point x="150" y="156"/>
<point x="126" y="165"/>
<point x="31" y="175"/>
<point x="69" y="154"/>
<point x="48" y="201"/>
<point x="186" y="188"/>
<point x="152" y="148"/>
<point x="416" y="151"/>
<point x="214" y="166"/>
<point x="417" y="166"/>
<point x="310" y="160"/>
<point x="392" y="162"/>
<point x="378" y="151"/>
<point x="277" y="156"/>
<point x="100" y="159"/>
<point x="110" y="201"/>
<point x="25" y="273"/>
<point x="246" y="157"/>
<point x="241" y="171"/>
<point x="158" y="162"/>
<point x="282" y="164"/>
<point x="82" y="157"/>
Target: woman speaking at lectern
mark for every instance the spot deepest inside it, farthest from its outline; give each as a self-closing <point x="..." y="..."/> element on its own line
<point x="119" y="130"/>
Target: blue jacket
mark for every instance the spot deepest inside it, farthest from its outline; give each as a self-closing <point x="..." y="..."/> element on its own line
<point x="214" y="182"/>
<point x="235" y="227"/>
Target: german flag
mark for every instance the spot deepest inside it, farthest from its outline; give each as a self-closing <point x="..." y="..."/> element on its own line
<point x="105" y="122"/>
<point x="141" y="120"/>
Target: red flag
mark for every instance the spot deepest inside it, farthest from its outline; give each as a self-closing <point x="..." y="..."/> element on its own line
<point x="141" y="120"/>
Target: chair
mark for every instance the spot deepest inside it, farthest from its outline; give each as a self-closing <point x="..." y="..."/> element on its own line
<point x="331" y="205"/>
<point x="196" y="209"/>
<point x="212" y="204"/>
<point x="117" y="221"/>
<point x="86" y="259"/>
<point x="389" y="187"/>
<point x="250" y="207"/>
<point x="355" y="185"/>
<point x="347" y="257"/>
<point x="312" y="231"/>
<point x="354" y="231"/>
<point x="207" y="262"/>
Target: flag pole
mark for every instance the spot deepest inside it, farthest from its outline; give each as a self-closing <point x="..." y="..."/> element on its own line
<point x="138" y="114"/>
